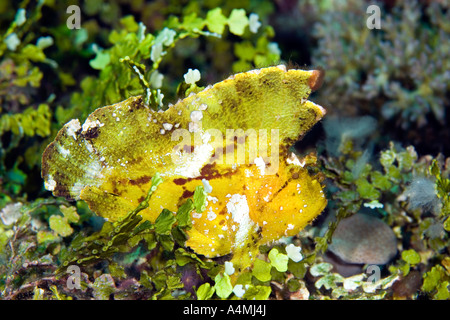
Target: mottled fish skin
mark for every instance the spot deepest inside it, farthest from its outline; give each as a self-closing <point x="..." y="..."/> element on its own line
<point x="110" y="159"/>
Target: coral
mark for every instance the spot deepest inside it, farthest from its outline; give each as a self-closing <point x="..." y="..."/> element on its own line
<point x="421" y="192"/>
<point x="398" y="74"/>
<point x="363" y="239"/>
<point x="339" y="130"/>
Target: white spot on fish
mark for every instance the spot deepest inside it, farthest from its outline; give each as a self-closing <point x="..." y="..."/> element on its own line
<point x="196" y="116"/>
<point x="238" y="207"/>
<point x="72" y="127"/>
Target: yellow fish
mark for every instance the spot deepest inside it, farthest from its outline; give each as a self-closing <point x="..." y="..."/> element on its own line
<point x="233" y="138"/>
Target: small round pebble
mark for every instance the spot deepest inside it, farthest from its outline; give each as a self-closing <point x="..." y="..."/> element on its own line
<point x="364" y="239"/>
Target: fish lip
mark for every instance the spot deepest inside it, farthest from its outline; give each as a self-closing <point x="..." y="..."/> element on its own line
<point x="316" y="79"/>
<point x="322" y="110"/>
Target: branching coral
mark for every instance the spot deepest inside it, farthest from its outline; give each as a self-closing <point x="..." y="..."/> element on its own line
<point x="399" y="72"/>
